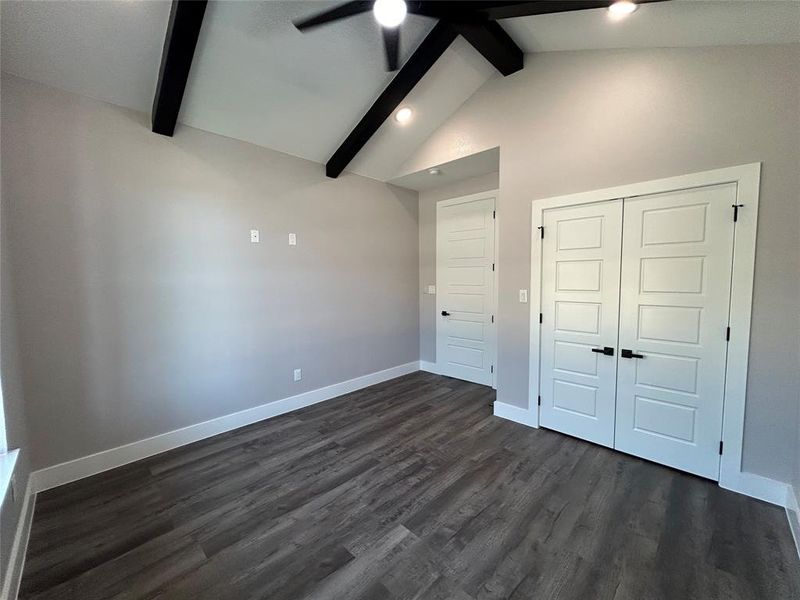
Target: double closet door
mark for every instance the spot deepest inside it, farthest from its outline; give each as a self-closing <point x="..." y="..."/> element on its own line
<point x="635" y="304"/>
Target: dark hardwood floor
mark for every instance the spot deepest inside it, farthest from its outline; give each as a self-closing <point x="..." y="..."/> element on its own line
<point x="408" y="489"/>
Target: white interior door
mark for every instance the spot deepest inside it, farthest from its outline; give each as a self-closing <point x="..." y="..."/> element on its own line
<point x="580" y="309"/>
<point x="465" y="336"/>
<point x="676" y="279"/>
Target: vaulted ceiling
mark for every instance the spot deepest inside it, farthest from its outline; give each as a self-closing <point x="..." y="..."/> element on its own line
<point x="258" y="79"/>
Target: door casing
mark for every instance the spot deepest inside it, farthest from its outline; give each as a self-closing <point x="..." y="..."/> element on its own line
<point x="747" y="180"/>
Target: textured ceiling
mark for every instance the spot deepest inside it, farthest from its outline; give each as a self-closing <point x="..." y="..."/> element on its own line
<point x="257" y="79"/>
<point x="105" y="50"/>
<point x="667" y="24"/>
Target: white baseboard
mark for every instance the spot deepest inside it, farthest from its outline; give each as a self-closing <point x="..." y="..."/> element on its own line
<point x="756" y="486"/>
<point x="19" y="547"/>
<point x="63" y="473"/>
<point x="793" y="513"/>
<point x="749" y="484"/>
<point x="429" y="367"/>
<point x="514" y="413"/>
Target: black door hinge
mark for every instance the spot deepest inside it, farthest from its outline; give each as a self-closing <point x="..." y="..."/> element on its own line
<point x="728" y="334"/>
<point x="720" y="447"/>
<point x="492" y="318"/>
<point x="736" y="208"/>
<point x="540" y="317"/>
<point x="541" y="231"/>
<point x="494" y="214"/>
<point x="491" y="370"/>
<point x="492" y="266"/>
<point x="540" y="400"/>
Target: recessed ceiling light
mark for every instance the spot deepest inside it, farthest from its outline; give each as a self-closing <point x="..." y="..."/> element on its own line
<point x="389" y="13"/>
<point x="403" y="115"/>
<point x="622" y="8"/>
<point x="434" y="171"/>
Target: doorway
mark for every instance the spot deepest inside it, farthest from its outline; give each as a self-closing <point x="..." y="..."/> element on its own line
<point x="466" y="287"/>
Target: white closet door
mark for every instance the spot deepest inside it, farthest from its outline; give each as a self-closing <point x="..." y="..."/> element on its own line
<point x="580" y="307"/>
<point x="676" y="277"/>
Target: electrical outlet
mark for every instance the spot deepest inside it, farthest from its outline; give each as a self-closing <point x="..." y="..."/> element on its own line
<point x="255" y="237"/>
<point x="298" y="374"/>
<point x="293" y="239"/>
<point x="431" y="289"/>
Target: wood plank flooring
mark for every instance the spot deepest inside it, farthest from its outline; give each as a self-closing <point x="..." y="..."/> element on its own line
<point x="410" y="489"/>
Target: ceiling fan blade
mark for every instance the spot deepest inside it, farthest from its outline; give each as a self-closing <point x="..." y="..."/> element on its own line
<point x="391" y="43"/>
<point x="348" y="9"/>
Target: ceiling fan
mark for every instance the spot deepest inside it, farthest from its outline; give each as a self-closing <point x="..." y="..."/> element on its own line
<point x="391" y="13"/>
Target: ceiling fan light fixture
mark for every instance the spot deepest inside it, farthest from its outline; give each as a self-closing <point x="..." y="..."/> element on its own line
<point x="389" y="13"/>
<point x="622" y="8"/>
<point x="403" y="115"/>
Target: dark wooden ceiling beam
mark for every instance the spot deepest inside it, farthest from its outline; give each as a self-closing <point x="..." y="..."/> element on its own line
<point x="183" y="29"/>
<point x="496" y="46"/>
<point x="423" y="58"/>
<point x="470" y="10"/>
<point x="510" y="10"/>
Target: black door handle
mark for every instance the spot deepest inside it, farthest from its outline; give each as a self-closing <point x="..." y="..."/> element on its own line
<point x="625" y="353"/>
<point x="445" y="313"/>
<point x="607" y="351"/>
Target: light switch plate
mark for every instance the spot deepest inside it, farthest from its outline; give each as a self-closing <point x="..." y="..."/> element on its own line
<point x="298" y="374"/>
<point x="523" y="296"/>
<point x="431" y="289"/>
<point x="254" y="236"/>
<point x="293" y="239"/>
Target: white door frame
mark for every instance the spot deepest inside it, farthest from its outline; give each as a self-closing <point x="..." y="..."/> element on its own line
<point x="439" y="308"/>
<point x="747" y="179"/>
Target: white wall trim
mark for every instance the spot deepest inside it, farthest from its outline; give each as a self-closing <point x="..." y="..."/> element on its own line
<point x="793" y="513"/>
<point x="756" y="486"/>
<point x="428" y="367"/>
<point x="535" y="303"/>
<point x="93" y="464"/>
<point x="747" y="180"/>
<point x="19" y="547"/>
<point x="8" y="461"/>
<point x="513" y="413"/>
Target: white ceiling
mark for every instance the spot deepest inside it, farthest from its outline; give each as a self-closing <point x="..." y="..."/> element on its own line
<point x="257" y="79"/>
<point x="105" y="50"/>
<point x="666" y="24"/>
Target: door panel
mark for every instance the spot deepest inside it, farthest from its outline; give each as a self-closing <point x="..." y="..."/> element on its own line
<point x="580" y="306"/>
<point x="465" y="282"/>
<point x="675" y="290"/>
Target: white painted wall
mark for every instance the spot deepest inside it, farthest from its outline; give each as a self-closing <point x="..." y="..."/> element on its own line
<point x="142" y="305"/>
<point x="577" y="121"/>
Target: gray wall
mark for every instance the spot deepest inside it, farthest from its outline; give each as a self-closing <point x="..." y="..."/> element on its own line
<point x="13" y="407"/>
<point x="143" y="307"/>
<point x="427" y="251"/>
<point x="577" y="121"/>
